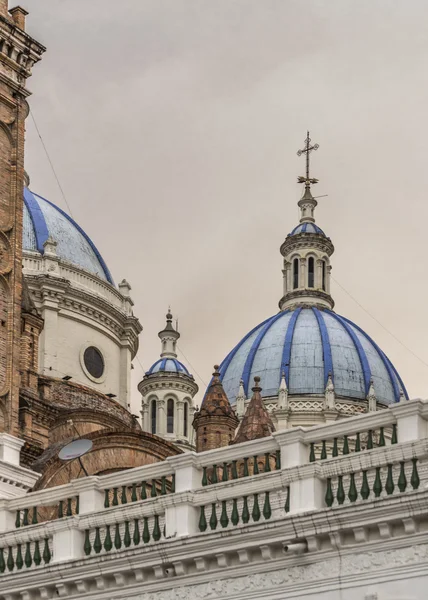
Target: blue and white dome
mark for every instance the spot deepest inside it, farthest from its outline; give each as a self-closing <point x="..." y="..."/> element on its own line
<point x="307" y="344"/>
<point x="307" y="228"/>
<point x="43" y="220"/>
<point x="168" y="365"/>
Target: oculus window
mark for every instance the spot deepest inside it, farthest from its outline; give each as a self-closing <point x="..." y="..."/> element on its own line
<point x="94" y="362"/>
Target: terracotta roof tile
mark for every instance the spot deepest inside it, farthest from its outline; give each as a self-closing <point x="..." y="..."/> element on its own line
<point x="256" y="422"/>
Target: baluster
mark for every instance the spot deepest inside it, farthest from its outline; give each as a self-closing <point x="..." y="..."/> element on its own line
<point x="414" y="479"/>
<point x="37" y="556"/>
<point x="153" y="492"/>
<point x="329" y="496"/>
<point x="25" y="520"/>
<point x="115" y="497"/>
<point x="370" y="440"/>
<point x="214" y="478"/>
<point x="267" y="511"/>
<point x="224" y="476"/>
<point x="358" y="443"/>
<point x="108" y="544"/>
<point x="2" y="561"/>
<point x="146" y="532"/>
<point x="235" y="514"/>
<point x="10" y="560"/>
<point x="18" y="519"/>
<point x="69" y="507"/>
<point x="312" y="453"/>
<point x="127" y="535"/>
<point x="345" y="445"/>
<point x="97" y="541"/>
<point x="389" y="484"/>
<point x="224" y="519"/>
<point x="340" y="491"/>
<point x="123" y="498"/>
<point x="377" y="486"/>
<point x="352" y="494"/>
<point x="382" y="437"/>
<point x="255" y="466"/>
<point x="173" y="483"/>
<point x="134" y="493"/>
<point x="143" y="491"/>
<point x="402" y="480"/>
<point x="117" y="538"/>
<point x="234" y="470"/>
<point x="287" y="500"/>
<point x="335" y="449"/>
<point x="136" y="538"/>
<point x="394" y="438"/>
<point x="28" y="558"/>
<point x="19" y="560"/>
<point x="47" y="552"/>
<point x="267" y="462"/>
<point x="323" y="450"/>
<point x="245" y="510"/>
<point x="213" y="518"/>
<point x="204" y="477"/>
<point x="106" y="499"/>
<point x="156" y="529"/>
<point x="246" y="467"/>
<point x="365" y="489"/>
<point x="256" y="509"/>
<point x="87" y="545"/>
<point x="202" y="520"/>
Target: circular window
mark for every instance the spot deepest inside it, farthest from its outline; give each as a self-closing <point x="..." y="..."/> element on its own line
<point x="94" y="362"/>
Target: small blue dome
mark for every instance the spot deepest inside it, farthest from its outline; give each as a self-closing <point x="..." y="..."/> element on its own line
<point x="307" y="228"/>
<point x="168" y="365"/>
<point x="307" y="344"/>
<point x="42" y="220"/>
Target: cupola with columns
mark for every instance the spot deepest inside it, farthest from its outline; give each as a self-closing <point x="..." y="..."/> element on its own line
<point x="307" y="251"/>
<point x="167" y="391"/>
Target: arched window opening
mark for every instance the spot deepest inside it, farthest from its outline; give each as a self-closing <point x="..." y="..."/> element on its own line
<point x="170" y="416"/>
<point x="185" y="419"/>
<point x="311" y="272"/>
<point x="295" y="273"/>
<point x="153" y="415"/>
<point x="323" y="275"/>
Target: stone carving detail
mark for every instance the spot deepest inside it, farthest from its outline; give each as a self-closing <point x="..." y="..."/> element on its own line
<point x="351" y="564"/>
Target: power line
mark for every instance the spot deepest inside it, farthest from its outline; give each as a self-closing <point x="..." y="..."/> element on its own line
<point x="51" y="163"/>
<point x="192" y="367"/>
<point x="379" y="323"/>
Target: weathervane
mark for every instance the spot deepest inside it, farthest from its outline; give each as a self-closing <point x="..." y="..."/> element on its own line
<point x="307" y="150"/>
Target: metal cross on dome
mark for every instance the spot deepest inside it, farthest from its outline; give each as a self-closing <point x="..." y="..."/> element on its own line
<point x="307" y="150"/>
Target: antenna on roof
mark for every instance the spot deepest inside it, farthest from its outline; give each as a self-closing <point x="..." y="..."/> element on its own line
<point x="76" y="449"/>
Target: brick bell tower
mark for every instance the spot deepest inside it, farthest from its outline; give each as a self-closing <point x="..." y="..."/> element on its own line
<point x="18" y="53"/>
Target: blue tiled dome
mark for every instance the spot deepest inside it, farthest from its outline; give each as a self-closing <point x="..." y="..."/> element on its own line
<point x="168" y="365"/>
<point x="307" y="228"/>
<point x="42" y="220"/>
<point x="307" y="344"/>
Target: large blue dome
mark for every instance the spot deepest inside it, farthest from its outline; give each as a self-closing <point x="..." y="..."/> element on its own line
<point x="307" y="344"/>
<point x="43" y="220"/>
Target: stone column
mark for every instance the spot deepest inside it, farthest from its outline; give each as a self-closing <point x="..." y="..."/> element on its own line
<point x="179" y="420"/>
<point x="284" y="281"/>
<point x="161" y="417"/>
<point x="327" y="278"/>
<point x="145" y="415"/>
<point x="318" y="278"/>
<point x="303" y="283"/>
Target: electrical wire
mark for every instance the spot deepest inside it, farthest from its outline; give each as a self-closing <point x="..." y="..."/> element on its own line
<point x="51" y="163"/>
<point x="192" y="367"/>
<point x="379" y="323"/>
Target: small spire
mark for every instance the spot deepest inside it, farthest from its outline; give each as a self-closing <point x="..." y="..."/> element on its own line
<point x="283" y="394"/>
<point x="240" y="401"/>
<point x="169" y="337"/>
<point x="215" y="400"/>
<point x="371" y="398"/>
<point x="256" y="422"/>
<point x="307" y="202"/>
<point x="329" y="394"/>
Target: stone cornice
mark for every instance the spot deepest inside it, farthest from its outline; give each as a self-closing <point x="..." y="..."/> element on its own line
<point x="306" y="241"/>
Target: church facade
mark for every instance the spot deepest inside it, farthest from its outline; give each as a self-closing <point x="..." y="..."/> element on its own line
<point x="302" y="474"/>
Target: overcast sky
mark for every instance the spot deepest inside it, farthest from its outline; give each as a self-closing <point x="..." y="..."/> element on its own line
<point x="173" y="126"/>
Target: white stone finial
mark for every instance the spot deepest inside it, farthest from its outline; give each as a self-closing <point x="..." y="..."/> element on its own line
<point x="371" y="398"/>
<point x="50" y="246"/>
<point x="329" y="394"/>
<point x="402" y="396"/>
<point x="240" y="401"/>
<point x="283" y="394"/>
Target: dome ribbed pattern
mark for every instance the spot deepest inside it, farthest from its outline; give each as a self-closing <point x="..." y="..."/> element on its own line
<point x="307" y="228"/>
<point x="307" y="344"/>
<point x="168" y="365"/>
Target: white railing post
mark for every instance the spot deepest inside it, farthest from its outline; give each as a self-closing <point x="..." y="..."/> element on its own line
<point x="67" y="542"/>
<point x="411" y="424"/>
<point x="7" y="518"/>
<point x="91" y="498"/>
<point x="307" y="491"/>
<point x="181" y="519"/>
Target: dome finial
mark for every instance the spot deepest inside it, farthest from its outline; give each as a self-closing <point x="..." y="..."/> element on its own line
<point x="307" y="202"/>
